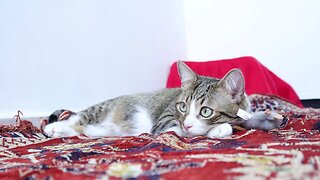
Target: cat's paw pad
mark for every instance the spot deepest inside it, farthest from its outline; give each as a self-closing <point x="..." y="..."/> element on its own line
<point x="59" y="129"/>
<point x="222" y="130"/>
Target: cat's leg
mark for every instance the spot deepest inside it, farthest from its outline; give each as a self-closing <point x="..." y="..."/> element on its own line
<point x="167" y="123"/>
<point x="63" y="123"/>
<point x="177" y="129"/>
<point x="219" y="131"/>
<point x="167" y="126"/>
<point x="265" y="120"/>
<point x="63" y="128"/>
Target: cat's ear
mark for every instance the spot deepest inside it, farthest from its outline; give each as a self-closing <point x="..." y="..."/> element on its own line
<point x="185" y="73"/>
<point x="233" y="83"/>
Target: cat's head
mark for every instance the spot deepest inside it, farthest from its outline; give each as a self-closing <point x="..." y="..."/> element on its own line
<point x="206" y="102"/>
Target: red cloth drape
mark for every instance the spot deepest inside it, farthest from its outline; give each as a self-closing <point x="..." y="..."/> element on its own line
<point x="258" y="78"/>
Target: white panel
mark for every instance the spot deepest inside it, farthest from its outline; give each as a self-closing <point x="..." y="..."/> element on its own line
<point x="75" y="53"/>
<point x="283" y="35"/>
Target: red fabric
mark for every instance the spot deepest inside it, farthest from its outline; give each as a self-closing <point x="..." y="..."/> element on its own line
<point x="258" y="78"/>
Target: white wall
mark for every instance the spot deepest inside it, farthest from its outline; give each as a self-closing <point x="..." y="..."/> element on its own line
<point x="284" y="35"/>
<point x="75" y="53"/>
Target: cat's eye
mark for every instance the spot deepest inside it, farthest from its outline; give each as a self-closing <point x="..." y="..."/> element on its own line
<point x="182" y="107"/>
<point x="206" y="112"/>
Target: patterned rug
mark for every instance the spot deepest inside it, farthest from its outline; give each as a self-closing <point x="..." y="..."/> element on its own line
<point x="292" y="152"/>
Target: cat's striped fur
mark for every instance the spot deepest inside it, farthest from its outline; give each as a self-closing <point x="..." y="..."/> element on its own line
<point x="200" y="107"/>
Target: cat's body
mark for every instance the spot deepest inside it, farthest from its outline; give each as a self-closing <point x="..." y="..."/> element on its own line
<point x="202" y="106"/>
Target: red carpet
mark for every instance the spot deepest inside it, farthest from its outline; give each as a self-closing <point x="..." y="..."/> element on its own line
<point x="289" y="153"/>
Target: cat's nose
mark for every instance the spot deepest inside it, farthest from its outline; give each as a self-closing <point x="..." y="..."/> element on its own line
<point x="187" y="126"/>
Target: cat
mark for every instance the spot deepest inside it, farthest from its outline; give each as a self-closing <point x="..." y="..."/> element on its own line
<point x="201" y="106"/>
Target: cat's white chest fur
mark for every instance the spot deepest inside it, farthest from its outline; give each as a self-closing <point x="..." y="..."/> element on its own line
<point x="142" y="121"/>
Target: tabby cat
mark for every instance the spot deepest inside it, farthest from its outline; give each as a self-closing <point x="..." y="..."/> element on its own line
<point x="202" y="106"/>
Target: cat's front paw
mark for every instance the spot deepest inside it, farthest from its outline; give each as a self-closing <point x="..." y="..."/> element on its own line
<point x="222" y="130"/>
<point x="59" y="129"/>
